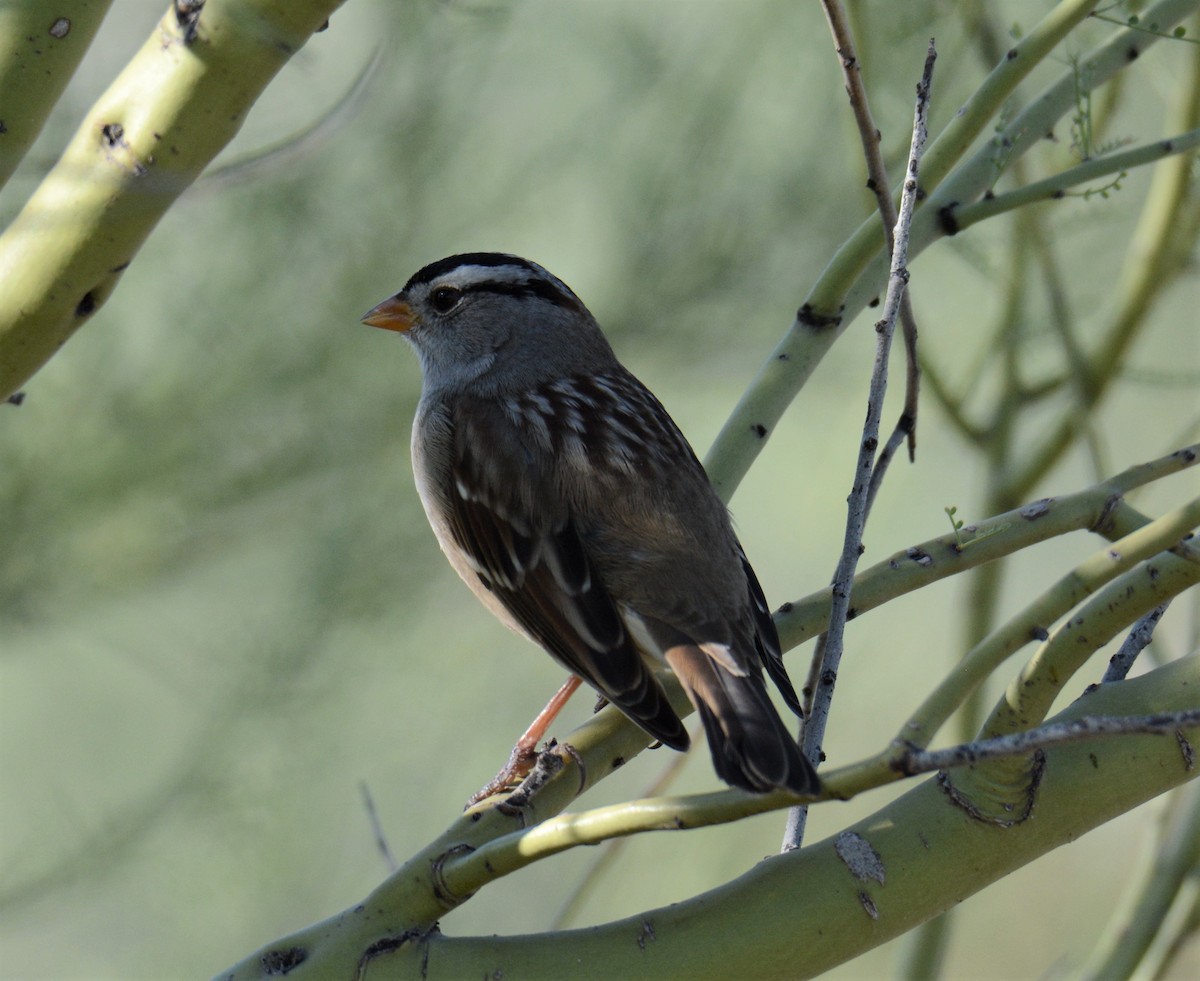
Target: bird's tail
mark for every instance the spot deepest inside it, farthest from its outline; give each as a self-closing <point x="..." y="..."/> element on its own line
<point x="751" y="747"/>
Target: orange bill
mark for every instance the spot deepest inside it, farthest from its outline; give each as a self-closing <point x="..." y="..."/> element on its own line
<point x="392" y="314"/>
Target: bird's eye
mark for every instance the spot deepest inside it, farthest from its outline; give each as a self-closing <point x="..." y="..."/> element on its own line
<point x="445" y="298"/>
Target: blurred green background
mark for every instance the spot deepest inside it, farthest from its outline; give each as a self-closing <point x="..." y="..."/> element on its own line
<point x="221" y="609"/>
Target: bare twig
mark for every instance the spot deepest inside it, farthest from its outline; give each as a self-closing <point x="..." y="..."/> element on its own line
<point x="879" y="185"/>
<point x="377" y="826"/>
<point x="826" y="676"/>
<point x="912" y="759"/>
<point x="1141" y="635"/>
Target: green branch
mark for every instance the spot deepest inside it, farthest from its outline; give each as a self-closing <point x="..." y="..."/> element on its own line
<point x="177" y="103"/>
<point x="1124" y="944"/>
<point x="1054" y="188"/>
<point x="1034" y="620"/>
<point x="859" y="269"/>
<point x="1157" y="252"/>
<point x="1108" y="613"/>
<point x="41" y="45"/>
<point x="798" y="914"/>
<point x="491" y="841"/>
<point x="983" y="542"/>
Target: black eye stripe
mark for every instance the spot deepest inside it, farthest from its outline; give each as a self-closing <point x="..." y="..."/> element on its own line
<point x="527" y="279"/>
<point x="528" y="288"/>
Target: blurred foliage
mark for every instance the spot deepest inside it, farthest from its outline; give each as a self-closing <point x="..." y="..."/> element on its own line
<point x="220" y="607"/>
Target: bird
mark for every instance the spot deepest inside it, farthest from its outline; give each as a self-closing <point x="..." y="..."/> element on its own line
<point x="569" y="501"/>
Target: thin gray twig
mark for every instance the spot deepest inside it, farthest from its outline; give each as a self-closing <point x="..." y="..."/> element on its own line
<point x="1014" y="744"/>
<point x="880" y="186"/>
<point x="377" y="826"/>
<point x="826" y="676"/>
<point x="1140" y="636"/>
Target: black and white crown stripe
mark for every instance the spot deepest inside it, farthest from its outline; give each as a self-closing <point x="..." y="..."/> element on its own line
<point x="486" y="272"/>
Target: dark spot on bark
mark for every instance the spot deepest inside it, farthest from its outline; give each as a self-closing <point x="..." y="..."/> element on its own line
<point x="946" y="219"/>
<point x="759" y="430"/>
<point x="15" y="399"/>
<point x="113" y="133"/>
<point x="86" y="305"/>
<point x="1011" y="54"/>
<point x="187" y="16"/>
<point x="1035" y="510"/>
<point x="282" y="961"/>
<point x="818" y="321"/>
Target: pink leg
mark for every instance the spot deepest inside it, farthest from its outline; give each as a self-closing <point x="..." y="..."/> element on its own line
<point x="524" y="753"/>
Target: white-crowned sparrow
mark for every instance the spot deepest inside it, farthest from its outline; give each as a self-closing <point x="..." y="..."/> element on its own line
<point x="568" y="500"/>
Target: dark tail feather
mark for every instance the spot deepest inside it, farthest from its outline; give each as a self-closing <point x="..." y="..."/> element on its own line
<point x="652" y="711"/>
<point x="766" y="639"/>
<point x="751" y="747"/>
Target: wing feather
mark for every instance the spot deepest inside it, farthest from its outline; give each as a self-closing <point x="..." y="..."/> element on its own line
<point x="537" y="566"/>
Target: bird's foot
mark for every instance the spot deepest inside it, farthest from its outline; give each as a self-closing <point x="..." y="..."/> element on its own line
<point x="521" y="761"/>
<point x="525" y="755"/>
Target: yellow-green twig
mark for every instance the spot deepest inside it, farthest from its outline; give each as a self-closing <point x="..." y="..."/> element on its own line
<point x="1034" y="621"/>
<point x="1098" y="621"/>
<point x="981" y="543"/>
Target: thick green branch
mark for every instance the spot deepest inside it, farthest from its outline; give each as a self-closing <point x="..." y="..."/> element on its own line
<point x="799" y="914"/>
<point x="41" y="45"/>
<point x="178" y="102"/>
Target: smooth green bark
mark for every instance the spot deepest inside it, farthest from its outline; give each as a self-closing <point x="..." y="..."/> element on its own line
<point x="178" y="102"/>
<point x="40" y="47"/>
<point x="798" y="914"/>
